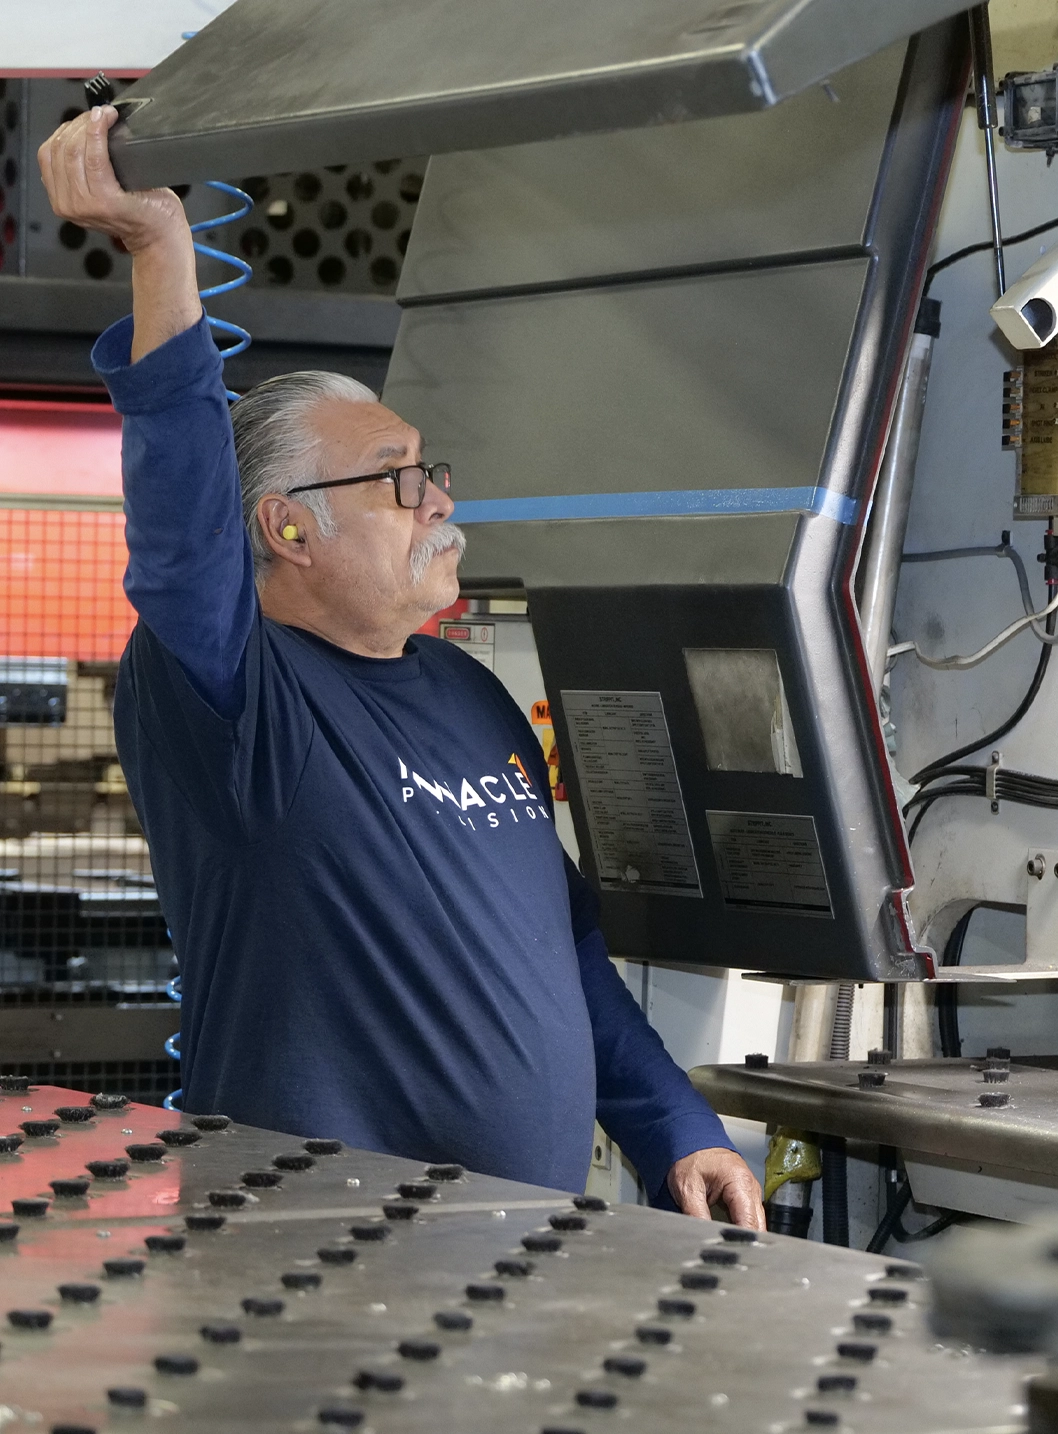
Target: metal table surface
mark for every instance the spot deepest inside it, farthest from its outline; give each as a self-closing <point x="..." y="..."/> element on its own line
<point x="931" y="1106"/>
<point x="745" y="1356"/>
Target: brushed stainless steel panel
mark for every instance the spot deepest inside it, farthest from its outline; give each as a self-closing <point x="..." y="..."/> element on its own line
<point x="269" y="86"/>
<point x="794" y="180"/>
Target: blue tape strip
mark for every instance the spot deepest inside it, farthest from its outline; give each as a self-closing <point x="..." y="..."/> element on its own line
<point x="674" y="503"/>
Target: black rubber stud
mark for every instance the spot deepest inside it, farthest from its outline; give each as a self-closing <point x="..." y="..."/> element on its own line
<point x="541" y="1244"/>
<point x="879" y="1056"/>
<point x="998" y="1053"/>
<point x="79" y="1294"/>
<point x="383" y="1380"/>
<point x="862" y="1353"/>
<point x="105" y="1101"/>
<point x="30" y="1207"/>
<point x="567" y="1222"/>
<point x="226" y="1199"/>
<point x="176" y="1364"/>
<point x="738" y="1235"/>
<point x="324" y="1147"/>
<point x="74" y="1114"/>
<point x="39" y="1129"/>
<point x="822" y="1418"/>
<point x="262" y="1308"/>
<point x="887" y="1294"/>
<point x="626" y="1364"/>
<point x="756" y="1061"/>
<point x="10" y="1143"/>
<point x="996" y="1077"/>
<point x="993" y="1099"/>
<point x="872" y="1322"/>
<point x="596" y="1398"/>
<point x="107" y="1169"/>
<point x="591" y="1202"/>
<point x="870" y="1080"/>
<point x="904" y="1272"/>
<point x="124" y="1267"/>
<point x="483" y="1293"/>
<point x="420" y="1349"/>
<point x="204" y="1221"/>
<point x="453" y="1320"/>
<point x="211" y="1122"/>
<point x="393" y="1211"/>
<point x="8" y="1231"/>
<point x="29" y="1319"/>
<point x="262" y="1179"/>
<point x="516" y="1268"/>
<point x="341" y="1416"/>
<point x="667" y="1305"/>
<point x="369" y="1234"/>
<point x="221" y="1333"/>
<point x="653" y="1334"/>
<point x="301" y="1280"/>
<point x="699" y="1280"/>
<point x="125" y="1397"/>
<point x="10" y="1083"/>
<point x="416" y="1189"/>
<point x="146" y="1151"/>
<point x="70" y="1188"/>
<point x="836" y="1383"/>
<point x="716" y="1255"/>
<point x="165" y="1244"/>
<point x="178" y="1138"/>
<point x="73" y="1429"/>
<point x="295" y="1160"/>
<point x="445" y="1173"/>
<point x="337" y="1254"/>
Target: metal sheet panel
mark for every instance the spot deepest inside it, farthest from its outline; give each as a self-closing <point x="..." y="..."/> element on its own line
<point x="793" y="181"/>
<point x="930" y="1106"/>
<point x="745" y="1355"/>
<point x="269" y="86"/>
<point x="710" y="385"/>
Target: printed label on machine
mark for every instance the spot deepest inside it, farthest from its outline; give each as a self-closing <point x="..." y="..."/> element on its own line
<point x="477" y="638"/>
<point x="632" y="796"/>
<point x="769" y="862"/>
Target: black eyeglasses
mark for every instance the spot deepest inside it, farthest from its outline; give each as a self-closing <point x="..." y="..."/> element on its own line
<point x="409" y="483"/>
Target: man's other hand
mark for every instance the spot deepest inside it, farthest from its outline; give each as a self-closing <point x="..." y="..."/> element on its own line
<point x="714" y="1177"/>
<point x="82" y="186"/>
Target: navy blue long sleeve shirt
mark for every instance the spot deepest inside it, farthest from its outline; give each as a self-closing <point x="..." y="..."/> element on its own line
<point x="379" y="935"/>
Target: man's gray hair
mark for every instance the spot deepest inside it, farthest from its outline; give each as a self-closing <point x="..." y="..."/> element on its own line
<point x="276" y="450"/>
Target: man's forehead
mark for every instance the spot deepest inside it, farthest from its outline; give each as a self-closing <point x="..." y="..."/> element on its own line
<point x="368" y="428"/>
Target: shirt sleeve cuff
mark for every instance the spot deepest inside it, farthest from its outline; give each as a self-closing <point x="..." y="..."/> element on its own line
<point x="674" y="1139"/>
<point x="189" y="362"/>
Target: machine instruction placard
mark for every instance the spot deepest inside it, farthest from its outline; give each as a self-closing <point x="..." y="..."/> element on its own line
<point x="632" y="798"/>
<point x="768" y="861"/>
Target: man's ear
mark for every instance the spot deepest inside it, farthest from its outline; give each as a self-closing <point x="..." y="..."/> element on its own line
<point x="287" y="529"/>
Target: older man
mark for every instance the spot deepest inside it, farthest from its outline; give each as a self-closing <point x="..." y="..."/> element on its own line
<point x="378" y="933"/>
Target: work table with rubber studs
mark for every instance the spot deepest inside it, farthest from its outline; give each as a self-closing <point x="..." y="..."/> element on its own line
<point x="232" y="1279"/>
<point x="995" y="1109"/>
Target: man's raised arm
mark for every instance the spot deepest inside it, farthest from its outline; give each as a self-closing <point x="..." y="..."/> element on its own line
<point x="190" y="573"/>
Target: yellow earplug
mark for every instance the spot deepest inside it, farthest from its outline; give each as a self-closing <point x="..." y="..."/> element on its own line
<point x="290" y="532"/>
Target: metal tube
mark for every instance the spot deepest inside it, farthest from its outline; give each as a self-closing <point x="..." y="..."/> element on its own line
<point x="987" y="121"/>
<point x="880" y="564"/>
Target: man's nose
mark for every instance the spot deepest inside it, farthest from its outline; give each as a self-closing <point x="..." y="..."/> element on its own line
<point x="436" y="505"/>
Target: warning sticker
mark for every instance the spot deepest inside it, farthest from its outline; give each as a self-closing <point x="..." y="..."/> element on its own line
<point x="477" y="638"/>
<point x="769" y="862"/>
<point x="632" y="797"/>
